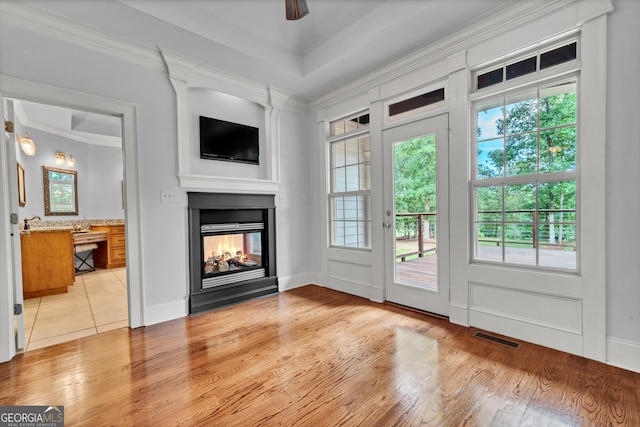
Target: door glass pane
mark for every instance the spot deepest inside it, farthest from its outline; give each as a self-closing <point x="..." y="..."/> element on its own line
<point x="415" y="212"/>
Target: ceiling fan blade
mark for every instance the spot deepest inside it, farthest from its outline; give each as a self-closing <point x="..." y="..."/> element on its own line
<point x="296" y="9"/>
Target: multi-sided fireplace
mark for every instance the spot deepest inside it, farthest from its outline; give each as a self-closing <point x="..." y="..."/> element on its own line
<point x="231" y="248"/>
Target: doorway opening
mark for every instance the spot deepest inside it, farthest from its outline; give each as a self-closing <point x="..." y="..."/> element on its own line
<point x="93" y="297"/>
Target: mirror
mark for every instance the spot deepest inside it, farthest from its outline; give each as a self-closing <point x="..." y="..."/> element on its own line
<point x="60" y="191"/>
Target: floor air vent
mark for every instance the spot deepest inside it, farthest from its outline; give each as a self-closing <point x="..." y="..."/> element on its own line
<point x="491" y="338"/>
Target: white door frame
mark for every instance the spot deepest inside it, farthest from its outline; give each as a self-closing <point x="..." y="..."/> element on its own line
<point x="26" y="90"/>
<point x="423" y="299"/>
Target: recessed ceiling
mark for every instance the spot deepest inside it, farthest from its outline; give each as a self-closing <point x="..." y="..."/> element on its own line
<point x="338" y="41"/>
<point x="76" y="125"/>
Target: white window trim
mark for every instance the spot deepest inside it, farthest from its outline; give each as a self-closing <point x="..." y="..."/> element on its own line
<point x="330" y="194"/>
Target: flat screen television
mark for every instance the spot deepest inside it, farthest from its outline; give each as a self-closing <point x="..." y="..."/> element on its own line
<point x="232" y="142"/>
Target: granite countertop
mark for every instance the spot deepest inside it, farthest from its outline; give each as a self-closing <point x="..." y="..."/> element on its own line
<point x="81" y="226"/>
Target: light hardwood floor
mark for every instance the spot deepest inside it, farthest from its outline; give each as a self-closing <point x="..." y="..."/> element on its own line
<point x="316" y="357"/>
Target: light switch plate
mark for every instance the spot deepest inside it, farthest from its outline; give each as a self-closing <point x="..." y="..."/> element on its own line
<point x="167" y="196"/>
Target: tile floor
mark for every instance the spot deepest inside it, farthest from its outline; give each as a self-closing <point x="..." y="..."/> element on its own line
<point x="96" y="303"/>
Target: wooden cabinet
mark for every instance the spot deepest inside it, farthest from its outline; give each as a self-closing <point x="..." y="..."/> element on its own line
<point x="111" y="253"/>
<point x="47" y="262"/>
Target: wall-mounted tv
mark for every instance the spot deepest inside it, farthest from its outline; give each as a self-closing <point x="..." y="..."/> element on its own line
<point x="232" y="142"/>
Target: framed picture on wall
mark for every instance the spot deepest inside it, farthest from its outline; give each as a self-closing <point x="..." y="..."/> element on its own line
<point x="22" y="193"/>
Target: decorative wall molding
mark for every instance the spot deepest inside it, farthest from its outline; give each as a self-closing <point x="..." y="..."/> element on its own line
<point x="185" y="74"/>
<point x="508" y="19"/>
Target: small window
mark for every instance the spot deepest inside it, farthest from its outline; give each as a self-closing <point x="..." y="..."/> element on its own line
<point x="349" y="124"/>
<point x="531" y="65"/>
<point x="559" y="55"/>
<point x="416" y="102"/>
<point x="491" y="78"/>
<point x="522" y="68"/>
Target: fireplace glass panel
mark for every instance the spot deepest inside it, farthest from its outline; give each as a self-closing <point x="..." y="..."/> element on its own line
<point x="231" y="252"/>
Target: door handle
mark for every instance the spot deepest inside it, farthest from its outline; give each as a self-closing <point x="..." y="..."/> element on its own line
<point x="386" y="224"/>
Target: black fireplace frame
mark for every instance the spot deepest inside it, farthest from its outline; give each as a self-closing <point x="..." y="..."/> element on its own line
<point x="201" y="207"/>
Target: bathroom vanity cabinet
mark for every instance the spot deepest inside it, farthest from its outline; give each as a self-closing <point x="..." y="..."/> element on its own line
<point x="47" y="262"/>
<point x="111" y="253"/>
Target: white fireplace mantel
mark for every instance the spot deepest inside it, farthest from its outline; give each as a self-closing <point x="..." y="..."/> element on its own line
<point x="185" y="74"/>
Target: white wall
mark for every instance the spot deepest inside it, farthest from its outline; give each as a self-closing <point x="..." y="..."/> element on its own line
<point x="623" y="173"/>
<point x="99" y="175"/>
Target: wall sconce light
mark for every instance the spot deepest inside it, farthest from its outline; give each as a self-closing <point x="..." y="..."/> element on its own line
<point x="59" y="159"/>
<point x="27" y="145"/>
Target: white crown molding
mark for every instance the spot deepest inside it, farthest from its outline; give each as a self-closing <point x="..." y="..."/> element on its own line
<point x="511" y="17"/>
<point x="60" y="27"/>
<point x="57" y="26"/>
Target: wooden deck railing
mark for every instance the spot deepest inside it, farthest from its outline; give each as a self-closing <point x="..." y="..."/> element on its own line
<point x="421" y="250"/>
<point x="534" y="222"/>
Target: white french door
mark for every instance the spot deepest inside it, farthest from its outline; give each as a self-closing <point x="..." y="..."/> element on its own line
<point x="416" y="220"/>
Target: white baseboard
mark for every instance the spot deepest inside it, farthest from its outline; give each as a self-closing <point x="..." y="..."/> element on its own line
<point x="623" y="354"/>
<point x="165" y="312"/>
<point x="377" y="295"/>
<point x="458" y="315"/>
<point x="297" y="280"/>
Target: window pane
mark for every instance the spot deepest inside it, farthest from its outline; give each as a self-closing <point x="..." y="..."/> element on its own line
<point x="489" y="199"/>
<point x="365" y="149"/>
<point x="522" y="155"/>
<point x="519" y="202"/>
<point x="491" y="158"/>
<point x="337" y="233"/>
<point x="363" y="208"/>
<point x="339" y="180"/>
<point x="337" y="154"/>
<point x="337" y="128"/>
<point x="490" y="120"/>
<point x="558" y="105"/>
<point x="489" y="242"/>
<point x="351" y="233"/>
<point x="519" y="246"/>
<point x="562" y="253"/>
<point x="558" y="150"/>
<point x="337" y="208"/>
<point x="557" y="201"/>
<point x="559" y="55"/>
<point x="416" y="102"/>
<point x="522" y="112"/>
<point x="350" y="124"/>
<point x="351" y="151"/>
<point x="353" y="182"/>
<point x="522" y="68"/>
<point x="490" y="78"/>
<point x="365" y="177"/>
